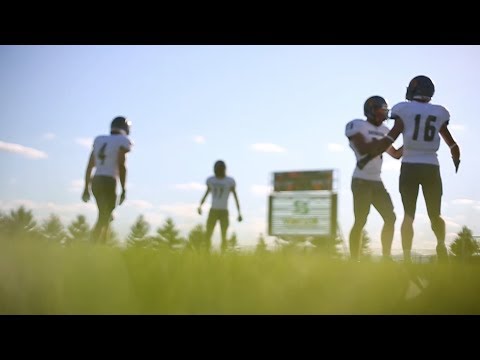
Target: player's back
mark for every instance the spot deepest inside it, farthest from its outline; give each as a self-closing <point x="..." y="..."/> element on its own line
<point x="422" y="123"/>
<point x="105" y="150"/>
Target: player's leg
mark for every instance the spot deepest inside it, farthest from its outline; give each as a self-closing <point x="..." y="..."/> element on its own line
<point x="211" y="222"/>
<point x="382" y="201"/>
<point x="362" y="195"/>
<point x="224" y="223"/>
<point x="408" y="184"/>
<point x="99" y="199"/>
<point x="103" y="188"/>
<point x="432" y="192"/>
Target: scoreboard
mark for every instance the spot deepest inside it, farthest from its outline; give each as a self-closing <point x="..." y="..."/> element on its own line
<point x="302" y="213"/>
<point x="303" y="180"/>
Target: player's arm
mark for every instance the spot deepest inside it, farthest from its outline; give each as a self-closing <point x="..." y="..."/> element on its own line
<point x="199" y="210"/>
<point x="358" y="140"/>
<point x="122" y="172"/>
<point x="395" y="153"/>
<point x="378" y="147"/>
<point x="237" y="203"/>
<point x="372" y="147"/>
<point x="452" y="144"/>
<point x="384" y="143"/>
<point x="88" y="176"/>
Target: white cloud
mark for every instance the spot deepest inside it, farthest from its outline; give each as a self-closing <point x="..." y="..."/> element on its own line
<point x="42" y="210"/>
<point x="184" y="215"/>
<point x="85" y="142"/>
<point x="335" y="147"/>
<point x="199" y="139"/>
<point x="452" y="224"/>
<point x="138" y="204"/>
<point x="49" y="207"/>
<point x="456" y="127"/>
<point x="49" y="136"/>
<point x="74" y="208"/>
<point x="261" y="190"/>
<point x="179" y="209"/>
<point x="463" y="202"/>
<point x="154" y="219"/>
<point x="267" y="147"/>
<point x="14" y="204"/>
<point x="23" y="150"/>
<point x="76" y="185"/>
<point x="190" y="186"/>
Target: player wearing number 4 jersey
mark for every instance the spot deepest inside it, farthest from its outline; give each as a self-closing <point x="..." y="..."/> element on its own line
<point x="108" y="159"/>
<point x="421" y="124"/>
<point x="220" y="186"/>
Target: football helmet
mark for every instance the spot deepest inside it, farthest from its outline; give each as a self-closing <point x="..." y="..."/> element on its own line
<point x="420" y="87"/>
<point x="373" y="103"/>
<point x="219" y="168"/>
<point x="121" y="124"/>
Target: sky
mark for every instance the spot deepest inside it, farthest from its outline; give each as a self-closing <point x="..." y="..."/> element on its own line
<point x="260" y="108"/>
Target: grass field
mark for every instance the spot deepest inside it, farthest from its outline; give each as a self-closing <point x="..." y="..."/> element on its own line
<point x="42" y="278"/>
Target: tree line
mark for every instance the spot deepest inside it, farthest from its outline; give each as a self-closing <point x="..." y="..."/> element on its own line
<point x="21" y="223"/>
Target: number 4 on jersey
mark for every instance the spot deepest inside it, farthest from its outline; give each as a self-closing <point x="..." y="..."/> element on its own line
<point x="101" y="154"/>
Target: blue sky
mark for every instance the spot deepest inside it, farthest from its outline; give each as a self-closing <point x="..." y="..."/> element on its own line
<point x="260" y="108"/>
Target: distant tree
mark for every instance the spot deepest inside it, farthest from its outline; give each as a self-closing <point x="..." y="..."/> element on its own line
<point x="112" y="237"/>
<point x="328" y="245"/>
<point x="138" y="233"/>
<point x="196" y="238"/>
<point x="78" y="230"/>
<point x="19" y="224"/>
<point x="170" y="235"/>
<point x="261" y="244"/>
<point x="232" y="242"/>
<point x="52" y="229"/>
<point x="3" y="223"/>
<point x="464" y="245"/>
<point x="366" y="251"/>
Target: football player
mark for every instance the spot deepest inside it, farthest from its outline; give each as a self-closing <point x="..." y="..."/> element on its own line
<point x="421" y="123"/>
<point x="108" y="157"/>
<point x="367" y="185"/>
<point x="220" y="185"/>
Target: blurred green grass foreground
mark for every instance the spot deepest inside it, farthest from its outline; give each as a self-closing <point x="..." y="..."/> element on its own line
<point x="42" y="278"/>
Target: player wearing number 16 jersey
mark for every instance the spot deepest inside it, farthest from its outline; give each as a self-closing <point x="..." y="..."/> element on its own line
<point x="220" y="186"/>
<point x="108" y="159"/>
<point x="421" y="124"/>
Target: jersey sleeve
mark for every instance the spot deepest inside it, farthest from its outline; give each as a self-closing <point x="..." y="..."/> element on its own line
<point x="95" y="141"/>
<point x="127" y="144"/>
<point x="396" y="110"/>
<point x="445" y="116"/>
<point x="353" y="127"/>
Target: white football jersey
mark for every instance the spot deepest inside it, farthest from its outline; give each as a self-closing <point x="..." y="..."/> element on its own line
<point x="220" y="189"/>
<point x="105" y="150"/>
<point x="422" y="123"/>
<point x="372" y="170"/>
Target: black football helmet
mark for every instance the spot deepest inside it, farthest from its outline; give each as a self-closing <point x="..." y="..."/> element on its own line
<point x="373" y="103"/>
<point x="420" y="87"/>
<point x="121" y="123"/>
<point x="219" y="168"/>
